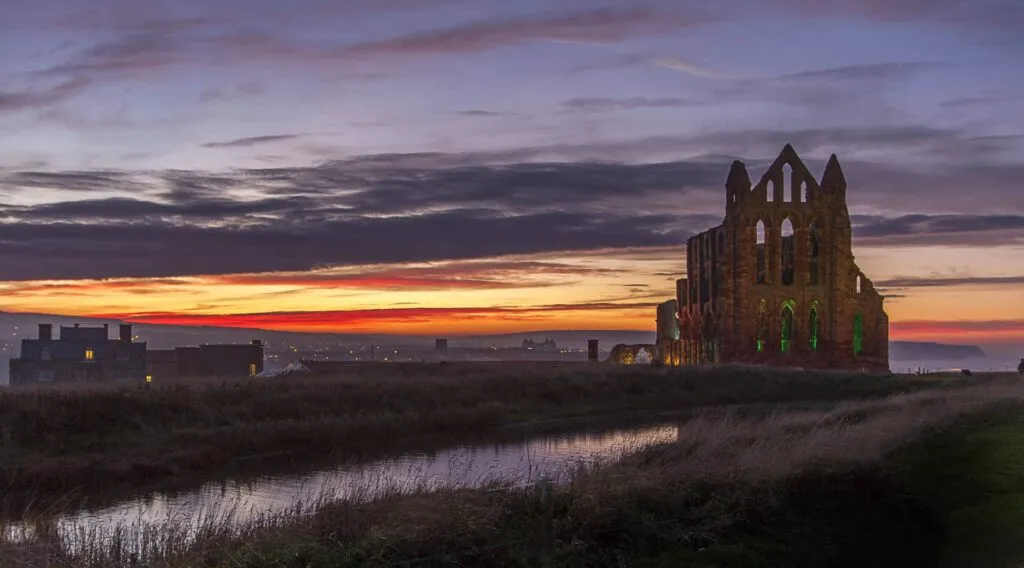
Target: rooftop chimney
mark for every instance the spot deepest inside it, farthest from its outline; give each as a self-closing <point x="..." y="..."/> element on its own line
<point x="126" y="332"/>
<point x="46" y="331"/>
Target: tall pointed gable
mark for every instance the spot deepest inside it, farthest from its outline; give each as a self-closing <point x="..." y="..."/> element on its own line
<point x="738" y="178"/>
<point x="789" y="156"/>
<point x="833" y="177"/>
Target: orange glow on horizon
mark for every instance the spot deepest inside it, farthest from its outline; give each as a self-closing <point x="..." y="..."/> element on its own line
<point x="611" y="289"/>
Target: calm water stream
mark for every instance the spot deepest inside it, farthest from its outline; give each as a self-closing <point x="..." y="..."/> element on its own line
<point x="240" y="502"/>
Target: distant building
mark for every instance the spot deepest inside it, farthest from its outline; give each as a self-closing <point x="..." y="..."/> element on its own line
<point x="79" y="354"/>
<point x="441" y="346"/>
<point x="547" y="346"/>
<point x="220" y="361"/>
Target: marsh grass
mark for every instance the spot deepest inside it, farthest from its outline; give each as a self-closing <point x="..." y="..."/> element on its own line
<point x="67" y="438"/>
<point x="803" y="488"/>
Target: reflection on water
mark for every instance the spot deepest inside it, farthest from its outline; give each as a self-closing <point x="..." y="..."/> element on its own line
<point x="240" y="502"/>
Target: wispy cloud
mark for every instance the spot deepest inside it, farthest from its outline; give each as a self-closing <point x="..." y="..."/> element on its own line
<point x="688" y="67"/>
<point x="252" y="141"/>
<point x="42" y="98"/>
<point x="601" y="104"/>
<point x="603" y="25"/>
<point x="243" y="90"/>
<point x="350" y="319"/>
<point x="927" y="282"/>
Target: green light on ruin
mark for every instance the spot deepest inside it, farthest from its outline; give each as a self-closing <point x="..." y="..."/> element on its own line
<point x="787" y="326"/>
<point x="814" y="329"/>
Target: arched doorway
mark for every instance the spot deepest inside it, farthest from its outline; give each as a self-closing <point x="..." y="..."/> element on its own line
<point x="786" y="343"/>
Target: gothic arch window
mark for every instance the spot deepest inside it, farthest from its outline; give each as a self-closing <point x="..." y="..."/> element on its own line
<point x="858" y="283"/>
<point x="762" y="259"/>
<point x="786" y="343"/>
<point x="815" y="254"/>
<point x="770" y="191"/>
<point x="787" y="183"/>
<point x="804" y="195"/>
<point x="858" y="334"/>
<point x="788" y="252"/>
<point x="812" y="328"/>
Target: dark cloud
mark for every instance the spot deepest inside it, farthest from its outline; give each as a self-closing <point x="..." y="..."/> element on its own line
<point x="98" y="180"/>
<point x="864" y="72"/>
<point x="252" y="141"/>
<point x="934" y="225"/>
<point x="148" y="248"/>
<point x="410" y="207"/>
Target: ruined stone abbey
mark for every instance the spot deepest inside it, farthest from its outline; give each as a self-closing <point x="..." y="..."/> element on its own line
<point x="776" y="282"/>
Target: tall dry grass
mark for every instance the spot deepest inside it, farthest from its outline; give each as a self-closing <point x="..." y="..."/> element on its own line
<point x="54" y="440"/>
<point x="698" y="484"/>
<point x="716" y="446"/>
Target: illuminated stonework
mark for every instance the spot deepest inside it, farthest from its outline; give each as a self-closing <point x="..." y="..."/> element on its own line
<point x="776" y="282"/>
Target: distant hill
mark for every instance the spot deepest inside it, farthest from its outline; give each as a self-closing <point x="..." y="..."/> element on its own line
<point x="564" y="338"/>
<point x="913" y="351"/>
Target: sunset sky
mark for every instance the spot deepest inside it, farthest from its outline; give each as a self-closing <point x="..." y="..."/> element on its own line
<point x="483" y="166"/>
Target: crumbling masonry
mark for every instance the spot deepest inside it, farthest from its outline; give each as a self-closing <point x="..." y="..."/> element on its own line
<point x="776" y="282"/>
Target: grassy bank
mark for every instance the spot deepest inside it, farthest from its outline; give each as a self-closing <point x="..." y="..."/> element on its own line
<point x="56" y="439"/>
<point x="925" y="479"/>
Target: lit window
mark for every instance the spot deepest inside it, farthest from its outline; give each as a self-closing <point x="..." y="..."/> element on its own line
<point x="252" y="369"/>
<point x="89" y="355"/>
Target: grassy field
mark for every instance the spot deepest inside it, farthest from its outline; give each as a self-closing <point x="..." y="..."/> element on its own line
<point x="53" y="440"/>
<point x="932" y="478"/>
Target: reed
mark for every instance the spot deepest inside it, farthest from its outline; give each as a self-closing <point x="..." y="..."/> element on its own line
<point x="797" y="488"/>
<point x="54" y="440"/>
